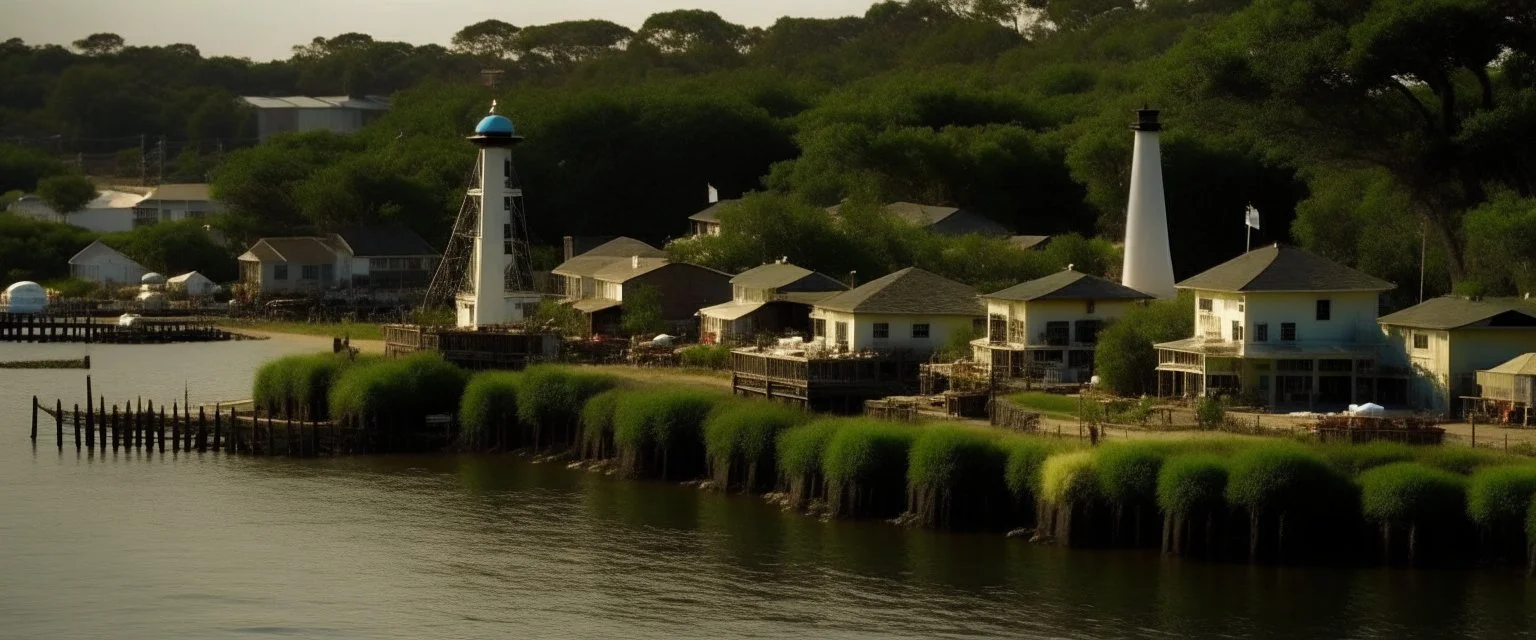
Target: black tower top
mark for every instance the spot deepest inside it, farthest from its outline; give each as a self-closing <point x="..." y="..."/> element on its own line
<point x="1146" y="120"/>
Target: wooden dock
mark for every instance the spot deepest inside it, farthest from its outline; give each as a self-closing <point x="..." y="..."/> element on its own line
<point x="835" y="383"/>
<point x="27" y="327"/>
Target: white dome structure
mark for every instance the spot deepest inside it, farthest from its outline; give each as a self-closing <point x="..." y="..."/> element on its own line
<point x="152" y="278"/>
<point x="25" y="297"/>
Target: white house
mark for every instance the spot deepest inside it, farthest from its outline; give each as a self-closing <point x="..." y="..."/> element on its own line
<point x="911" y="309"/>
<point x="388" y="258"/>
<point x="110" y="212"/>
<point x="770" y="299"/>
<point x="1048" y="327"/>
<point x="293" y="265"/>
<point x="1445" y="341"/>
<point x="575" y="278"/>
<point x="105" y="266"/>
<point x="297" y="114"/>
<point x="173" y="202"/>
<point x="1280" y="326"/>
<point x="193" y="283"/>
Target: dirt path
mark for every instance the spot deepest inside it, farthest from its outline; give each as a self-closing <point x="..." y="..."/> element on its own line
<point x="320" y="343"/>
<point x="656" y="375"/>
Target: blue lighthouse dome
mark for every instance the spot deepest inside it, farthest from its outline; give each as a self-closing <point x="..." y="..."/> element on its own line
<point x="494" y="125"/>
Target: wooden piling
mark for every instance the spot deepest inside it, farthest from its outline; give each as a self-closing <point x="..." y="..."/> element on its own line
<point x="218" y="418"/>
<point x="34" y="419"/>
<point x="146" y="437"/>
<point x="288" y="435"/>
<point x="90" y="414"/>
<point x="101" y="420"/>
<point x="58" y="423"/>
<point x="117" y="430"/>
<point x="175" y="429"/>
<point x="160" y="431"/>
<point x="77" y="427"/>
<point x="202" y="430"/>
<point x="271" y="439"/>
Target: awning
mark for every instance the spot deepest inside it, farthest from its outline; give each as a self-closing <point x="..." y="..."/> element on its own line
<point x="730" y="310"/>
<point x="594" y="305"/>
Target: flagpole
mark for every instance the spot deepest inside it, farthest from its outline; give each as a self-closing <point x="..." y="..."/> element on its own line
<point x="1249" y="247"/>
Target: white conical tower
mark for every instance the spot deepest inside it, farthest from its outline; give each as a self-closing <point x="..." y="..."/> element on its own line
<point x="498" y="281"/>
<point x="1148" y="264"/>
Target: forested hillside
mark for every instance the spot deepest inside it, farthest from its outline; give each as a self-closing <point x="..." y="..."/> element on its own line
<point x="1359" y="128"/>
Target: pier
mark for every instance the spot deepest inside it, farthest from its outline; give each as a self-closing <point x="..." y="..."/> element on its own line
<point x="26" y="327"/>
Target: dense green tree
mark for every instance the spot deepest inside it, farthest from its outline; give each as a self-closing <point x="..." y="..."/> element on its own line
<point x="572" y="41"/>
<point x="99" y="44"/>
<point x="22" y="168"/>
<point x="176" y="247"/>
<point x="1125" y="359"/>
<point x="642" y="313"/>
<point x="66" y="193"/>
<point x="39" y="251"/>
<point x="487" y="38"/>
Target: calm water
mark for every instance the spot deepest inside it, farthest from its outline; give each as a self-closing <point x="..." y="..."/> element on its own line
<point x="201" y="546"/>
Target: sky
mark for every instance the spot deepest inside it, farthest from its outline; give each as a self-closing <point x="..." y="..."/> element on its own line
<point x="267" y="29"/>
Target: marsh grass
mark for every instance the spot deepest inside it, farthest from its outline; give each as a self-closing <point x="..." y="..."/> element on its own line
<point x="488" y="411"/>
<point x="1021" y="473"/>
<point x="550" y="400"/>
<point x="1498" y="499"/>
<point x="660" y="432"/>
<point x="1191" y="489"/>
<point x="1354" y="459"/>
<point x="1128" y="476"/>
<point x="1460" y="460"/>
<point x="1412" y="498"/>
<point x="739" y="440"/>
<point x="865" y="467"/>
<point x="392" y="397"/>
<point x="299" y="386"/>
<point x="799" y="452"/>
<point x="1291" y="493"/>
<point x="597" y="425"/>
<point x="1070" y="492"/>
<point x="956" y="478"/>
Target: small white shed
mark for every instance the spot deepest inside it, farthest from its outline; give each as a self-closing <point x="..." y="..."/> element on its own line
<point x="104" y="265"/>
<point x="193" y="283"/>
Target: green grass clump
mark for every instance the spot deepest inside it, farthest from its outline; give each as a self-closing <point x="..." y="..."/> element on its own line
<point x="550" y="399"/>
<point x="298" y="386"/>
<point x="597" y="425"/>
<point x="393" y="396"/>
<point x="1068" y="478"/>
<point x="660" y="432"/>
<point x="488" y="411"/>
<point x="1192" y="483"/>
<point x="1462" y="460"/>
<point x="1412" y="496"/>
<point x="955" y="477"/>
<point x="739" y="440"/>
<point x="865" y="466"/>
<point x="1498" y="497"/>
<point x="1052" y="403"/>
<point x="1354" y="459"/>
<point x="706" y="356"/>
<point x="1290" y="490"/>
<point x="1026" y="456"/>
<point x="1128" y="471"/>
<point x="798" y="451"/>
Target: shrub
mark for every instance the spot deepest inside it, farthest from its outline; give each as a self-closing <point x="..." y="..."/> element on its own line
<point x="1462" y="460"/>
<point x="661" y="432"/>
<point x="299" y="386"/>
<point x="1189" y="486"/>
<point x="955" y="477"/>
<point x="549" y="402"/>
<point x="1410" y="494"/>
<point x="1290" y="487"/>
<point x="597" y="424"/>
<point x="799" y="451"/>
<point x="1354" y="459"/>
<point x="1068" y="478"/>
<point x="705" y="356"/>
<point x="865" y="466"/>
<point x="1497" y="497"/>
<point x="739" y="439"/>
<point x="1128" y="477"/>
<point x="391" y="397"/>
<point x="488" y="411"/>
<point x="1026" y="455"/>
<point x="1210" y="412"/>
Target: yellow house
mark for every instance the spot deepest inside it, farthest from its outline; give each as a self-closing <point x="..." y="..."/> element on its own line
<point x="1047" y="328"/>
<point x="1282" y="327"/>
<point x="1446" y="340"/>
<point x="910" y="310"/>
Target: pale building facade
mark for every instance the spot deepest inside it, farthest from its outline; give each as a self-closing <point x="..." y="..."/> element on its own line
<point x="1048" y="328"/>
<point x="1445" y="341"/>
<point x="105" y="266"/>
<point x="772" y="299"/>
<point x="910" y="310"/>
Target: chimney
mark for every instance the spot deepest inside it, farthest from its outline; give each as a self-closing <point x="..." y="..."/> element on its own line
<point x="570" y="247"/>
<point x="634" y="262"/>
<point x="1148" y="265"/>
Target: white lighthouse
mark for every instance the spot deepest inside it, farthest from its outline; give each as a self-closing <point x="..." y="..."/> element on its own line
<point x="1148" y="264"/>
<point x="498" y="284"/>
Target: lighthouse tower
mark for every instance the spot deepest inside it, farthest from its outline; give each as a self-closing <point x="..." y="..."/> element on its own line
<point x="497" y="288"/>
<point x="1148" y="264"/>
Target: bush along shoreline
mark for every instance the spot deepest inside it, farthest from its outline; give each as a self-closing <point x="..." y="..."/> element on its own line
<point x="1235" y="500"/>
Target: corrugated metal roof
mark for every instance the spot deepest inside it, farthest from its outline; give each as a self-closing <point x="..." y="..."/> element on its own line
<point x="1068" y="285"/>
<point x="193" y="192"/>
<point x="1283" y="268"/>
<point x="731" y="310"/>
<point x="371" y="103"/>
<point x="1521" y="365"/>
<point x="909" y="291"/>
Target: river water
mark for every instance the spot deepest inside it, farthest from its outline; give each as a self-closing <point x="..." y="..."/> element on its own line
<point x="131" y="545"/>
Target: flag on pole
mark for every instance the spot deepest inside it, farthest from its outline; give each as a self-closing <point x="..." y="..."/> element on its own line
<point x="714" y="194"/>
<point x="1251" y="218"/>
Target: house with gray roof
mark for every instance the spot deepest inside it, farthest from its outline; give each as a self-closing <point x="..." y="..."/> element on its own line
<point x="944" y="220"/>
<point x="707" y="222"/>
<point x="298" y="265"/>
<point x="1047" y="328"/>
<point x="173" y="202"/>
<point x="298" y="114"/>
<point x="1282" y="327"/>
<point x="390" y="258"/>
<point x="911" y="310"/>
<point x="773" y="299"/>
<point x="1444" y="342"/>
<point x="596" y="283"/>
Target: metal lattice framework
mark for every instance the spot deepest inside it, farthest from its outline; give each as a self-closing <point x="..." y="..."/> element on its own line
<point x="520" y="269"/>
<point x="453" y="272"/>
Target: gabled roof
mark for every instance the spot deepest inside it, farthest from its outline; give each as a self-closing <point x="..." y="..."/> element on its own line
<point x="100" y="248"/>
<point x="384" y="242"/>
<point x="1283" y="268"/>
<point x="1068" y="285"/>
<point x="613" y="252"/>
<point x="1521" y="365"/>
<point x="712" y="212"/>
<point x="624" y="247"/>
<point x="302" y="250"/>
<point x="370" y="103"/>
<point x="780" y="275"/>
<point x="909" y="291"/>
<point x="939" y="219"/>
<point x="1451" y="312"/>
<point x="1029" y="242"/>
<point x="190" y="276"/>
<point x="623" y="269"/>
<point x="192" y="192"/>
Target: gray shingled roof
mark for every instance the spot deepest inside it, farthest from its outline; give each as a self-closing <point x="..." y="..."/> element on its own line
<point x="712" y="212"/>
<point x="1283" y="268"/>
<point x="1029" y="242"/>
<point x="940" y="219"/>
<point x="620" y="250"/>
<point x="624" y="247"/>
<point x="371" y="242"/>
<point x="909" y="291"/>
<point x="768" y="276"/>
<point x="1069" y="285"/>
<point x="1451" y="312"/>
<point x="300" y="250"/>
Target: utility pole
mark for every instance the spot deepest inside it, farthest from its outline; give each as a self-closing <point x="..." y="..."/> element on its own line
<point x="160" y="161"/>
<point x="143" y="162"/>
<point x="1423" y="241"/>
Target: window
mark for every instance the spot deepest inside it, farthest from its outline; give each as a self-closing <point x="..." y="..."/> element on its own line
<point x="1261" y="332"/>
<point x="506" y="231"/>
<point x="920" y="330"/>
<point x="997" y="328"/>
<point x="309" y="272"/>
<point x="280" y="271"/>
<point x="1057" y="333"/>
<point x="506" y="247"/>
<point x="1237" y="331"/>
<point x="842" y="333"/>
<point x="1090" y="306"/>
<point x="506" y="204"/>
<point x="882" y="330"/>
<point x="506" y="168"/>
<point x="327" y="272"/>
<point x="1048" y="355"/>
<point x="1324" y="309"/>
<point x="1288" y="331"/>
<point x="978" y="327"/>
<point x="818" y="328"/>
<point x="1420" y="340"/>
<point x="1205" y="304"/>
<point x="1087" y="331"/>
